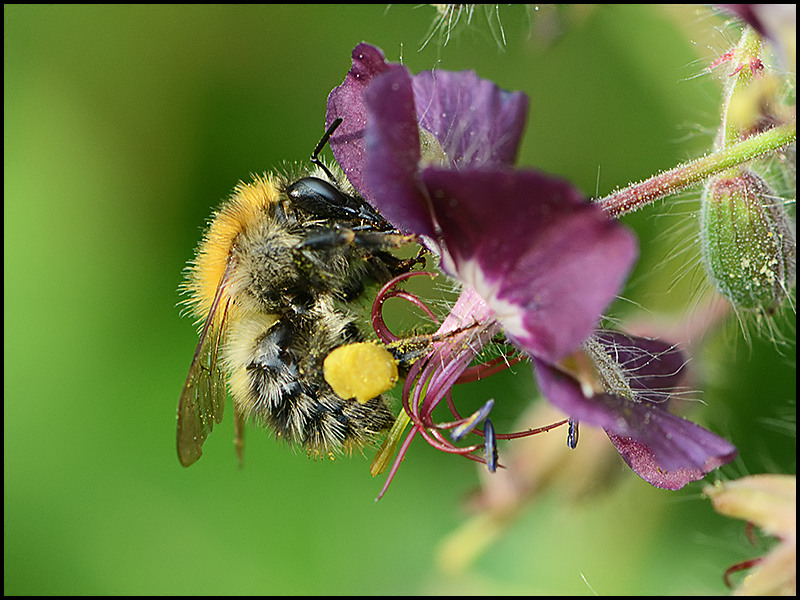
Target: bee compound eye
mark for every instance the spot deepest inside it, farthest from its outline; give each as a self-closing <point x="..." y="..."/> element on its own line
<point x="320" y="198"/>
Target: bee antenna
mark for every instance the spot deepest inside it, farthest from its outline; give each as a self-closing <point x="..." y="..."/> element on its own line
<point x="325" y="139"/>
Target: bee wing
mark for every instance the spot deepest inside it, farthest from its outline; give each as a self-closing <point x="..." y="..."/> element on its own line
<point x="202" y="400"/>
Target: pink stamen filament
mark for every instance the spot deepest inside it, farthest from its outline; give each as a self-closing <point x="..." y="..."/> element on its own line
<point x="487" y="369"/>
<point x="430" y="379"/>
<point x="386" y="292"/>
<point x="502" y="436"/>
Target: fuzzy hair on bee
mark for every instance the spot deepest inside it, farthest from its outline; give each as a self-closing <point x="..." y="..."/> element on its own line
<point x="273" y="283"/>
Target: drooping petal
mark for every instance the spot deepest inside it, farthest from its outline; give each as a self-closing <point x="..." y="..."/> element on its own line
<point x="644" y="463"/>
<point x="664" y="449"/>
<point x="545" y="260"/>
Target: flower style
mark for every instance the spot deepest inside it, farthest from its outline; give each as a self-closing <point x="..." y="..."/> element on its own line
<point x="433" y="152"/>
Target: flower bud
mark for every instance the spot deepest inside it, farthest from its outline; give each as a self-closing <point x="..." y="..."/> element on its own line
<point x="747" y="241"/>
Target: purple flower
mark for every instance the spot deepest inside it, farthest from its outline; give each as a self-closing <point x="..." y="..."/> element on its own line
<point x="637" y="378"/>
<point x="433" y="153"/>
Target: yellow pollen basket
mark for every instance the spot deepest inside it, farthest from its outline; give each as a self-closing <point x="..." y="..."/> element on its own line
<point x="361" y="371"/>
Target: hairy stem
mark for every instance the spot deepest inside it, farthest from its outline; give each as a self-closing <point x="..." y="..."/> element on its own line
<point x="645" y="192"/>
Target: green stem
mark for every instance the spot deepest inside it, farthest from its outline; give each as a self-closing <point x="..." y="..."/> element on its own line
<point x="646" y="192"/>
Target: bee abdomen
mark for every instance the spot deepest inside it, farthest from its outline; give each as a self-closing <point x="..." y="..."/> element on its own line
<point x="305" y="411"/>
<point x="283" y="386"/>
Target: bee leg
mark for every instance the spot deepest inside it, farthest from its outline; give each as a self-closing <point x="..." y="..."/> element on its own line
<point x="398" y="266"/>
<point x="328" y="239"/>
<point x="238" y="439"/>
<point x="313" y="253"/>
<point x="376" y="243"/>
<point x="344" y="236"/>
<point x="384" y="265"/>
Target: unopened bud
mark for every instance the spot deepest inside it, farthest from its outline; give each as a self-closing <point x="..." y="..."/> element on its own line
<point x="747" y="241"/>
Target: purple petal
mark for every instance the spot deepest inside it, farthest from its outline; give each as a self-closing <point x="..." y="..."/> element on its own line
<point x="662" y="448"/>
<point x="655" y="368"/>
<point x="347" y="102"/>
<point x="644" y="463"/>
<point x="393" y="154"/>
<point x="546" y="261"/>
<point x="476" y="123"/>
<point x="378" y="143"/>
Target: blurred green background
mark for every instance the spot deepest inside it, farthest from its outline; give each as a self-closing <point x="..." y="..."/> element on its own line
<point x="125" y="125"/>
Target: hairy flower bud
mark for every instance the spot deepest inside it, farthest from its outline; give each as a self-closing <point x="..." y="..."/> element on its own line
<point x="747" y="241"/>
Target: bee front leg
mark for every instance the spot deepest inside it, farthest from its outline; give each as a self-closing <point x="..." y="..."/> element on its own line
<point x="373" y="244"/>
<point x="372" y="241"/>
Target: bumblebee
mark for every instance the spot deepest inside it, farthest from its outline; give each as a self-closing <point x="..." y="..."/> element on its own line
<point x="273" y="283"/>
